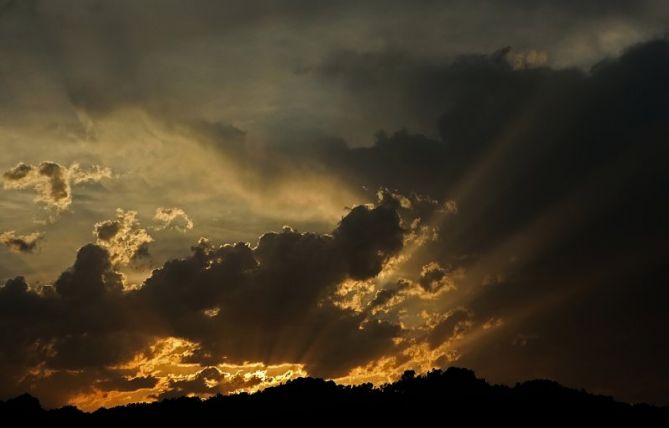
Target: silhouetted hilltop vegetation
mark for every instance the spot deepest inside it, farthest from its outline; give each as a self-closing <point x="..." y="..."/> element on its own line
<point x="438" y="395"/>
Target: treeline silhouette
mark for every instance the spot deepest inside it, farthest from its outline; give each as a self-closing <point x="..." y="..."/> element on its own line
<point x="440" y="396"/>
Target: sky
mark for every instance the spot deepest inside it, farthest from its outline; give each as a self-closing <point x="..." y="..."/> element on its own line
<point x="204" y="197"/>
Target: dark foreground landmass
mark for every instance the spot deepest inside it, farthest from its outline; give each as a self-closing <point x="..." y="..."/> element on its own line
<point x="441" y="397"/>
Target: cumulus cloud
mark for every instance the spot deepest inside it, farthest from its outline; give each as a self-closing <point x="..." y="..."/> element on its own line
<point x="21" y="243"/>
<point x="90" y="276"/>
<point x="559" y="176"/>
<point x="274" y="298"/>
<point x="60" y="339"/>
<point x="51" y="181"/>
<point x="123" y="237"/>
<point x="272" y="307"/>
<point x="172" y="218"/>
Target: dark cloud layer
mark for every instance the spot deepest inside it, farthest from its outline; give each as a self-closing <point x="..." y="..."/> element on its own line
<point x="270" y="300"/>
<point x="559" y="177"/>
<point x="557" y="174"/>
<point x="162" y="57"/>
<point x="273" y="305"/>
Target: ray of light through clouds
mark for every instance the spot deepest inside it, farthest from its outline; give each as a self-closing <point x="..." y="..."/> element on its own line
<point x="220" y="196"/>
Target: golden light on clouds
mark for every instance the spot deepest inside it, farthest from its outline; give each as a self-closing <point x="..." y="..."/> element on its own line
<point x="164" y="361"/>
<point x="220" y="199"/>
<point x="51" y="181"/>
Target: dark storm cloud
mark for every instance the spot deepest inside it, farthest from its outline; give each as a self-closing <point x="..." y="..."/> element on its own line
<point x="367" y="238"/>
<point x="270" y="300"/>
<point x="91" y="275"/>
<point x="171" y="60"/>
<point x="76" y="327"/>
<point x="521" y="140"/>
<point x="561" y="170"/>
<point x="568" y="162"/>
<point x="81" y="331"/>
<point x="273" y="306"/>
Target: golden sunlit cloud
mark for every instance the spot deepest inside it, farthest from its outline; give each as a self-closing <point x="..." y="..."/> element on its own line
<point x="175" y="218"/>
<point x="51" y="181"/>
<point x="221" y="198"/>
<point x="164" y="362"/>
<point x="123" y="237"/>
<point x="21" y="243"/>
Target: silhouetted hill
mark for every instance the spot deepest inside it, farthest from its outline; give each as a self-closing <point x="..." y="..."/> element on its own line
<point x="441" y="396"/>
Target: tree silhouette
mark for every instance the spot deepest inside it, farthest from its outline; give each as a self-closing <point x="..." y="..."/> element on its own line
<point x="441" y="396"/>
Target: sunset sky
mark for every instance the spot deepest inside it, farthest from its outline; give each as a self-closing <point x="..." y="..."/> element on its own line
<point x="202" y="197"/>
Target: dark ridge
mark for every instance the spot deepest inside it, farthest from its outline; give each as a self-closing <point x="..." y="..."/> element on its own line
<point x="440" y="396"/>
